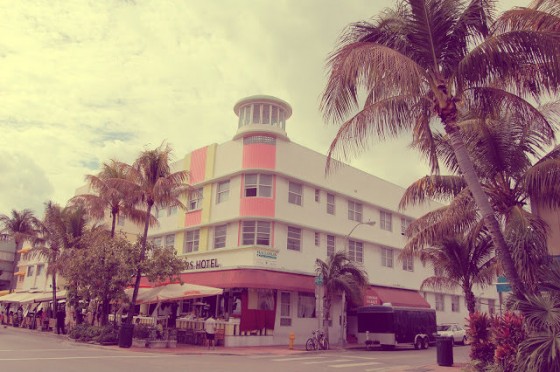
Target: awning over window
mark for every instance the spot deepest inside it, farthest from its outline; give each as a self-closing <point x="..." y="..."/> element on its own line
<point x="251" y="278"/>
<point x="395" y="297"/>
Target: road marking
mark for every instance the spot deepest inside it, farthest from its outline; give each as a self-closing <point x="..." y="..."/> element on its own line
<point x="353" y="365"/>
<point x="28" y="350"/>
<point x="296" y="359"/>
<point x="87" y="357"/>
<point x="391" y="368"/>
<point x="328" y="361"/>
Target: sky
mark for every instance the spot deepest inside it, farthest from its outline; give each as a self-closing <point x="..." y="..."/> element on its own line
<point x="86" y="81"/>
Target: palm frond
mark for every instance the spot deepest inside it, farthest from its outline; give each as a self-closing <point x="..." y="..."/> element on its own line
<point x="441" y="188"/>
<point x="542" y="181"/>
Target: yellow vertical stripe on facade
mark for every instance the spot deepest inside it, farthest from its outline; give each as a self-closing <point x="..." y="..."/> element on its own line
<point x="179" y="241"/>
<point x="203" y="239"/>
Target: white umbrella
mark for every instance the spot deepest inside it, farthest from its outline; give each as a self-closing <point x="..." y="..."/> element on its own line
<point x="173" y="292"/>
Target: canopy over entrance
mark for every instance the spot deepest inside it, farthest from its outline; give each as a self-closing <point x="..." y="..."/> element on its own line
<point x="172" y="292"/>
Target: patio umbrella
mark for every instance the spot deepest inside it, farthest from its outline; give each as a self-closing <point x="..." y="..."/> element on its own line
<point x="173" y="292"/>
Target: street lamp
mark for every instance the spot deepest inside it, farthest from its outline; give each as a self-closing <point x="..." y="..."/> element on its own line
<point x="343" y="325"/>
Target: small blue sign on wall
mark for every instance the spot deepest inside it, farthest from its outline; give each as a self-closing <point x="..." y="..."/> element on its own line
<point x="503" y="284"/>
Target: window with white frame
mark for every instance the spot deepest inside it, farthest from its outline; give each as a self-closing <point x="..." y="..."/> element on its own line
<point x="331" y="245"/>
<point x="256" y="233"/>
<point x="222" y="192"/>
<point x="317" y="195"/>
<point x="330" y="204"/>
<point x="220" y="236"/>
<point x="285" y="309"/>
<point x="387" y="257"/>
<point x="408" y="263"/>
<point x="30" y="270"/>
<point x="257" y="184"/>
<point x="295" y="191"/>
<point x="440" y="304"/>
<point x="120" y="219"/>
<point x="40" y="268"/>
<point x="355" y="251"/>
<point x="158" y="242"/>
<point x="491" y="306"/>
<point x="294" y="238"/>
<point x="192" y="238"/>
<point x="170" y="241"/>
<point x="317" y="239"/>
<point x="386" y="220"/>
<point x="195" y="199"/>
<point x="355" y="211"/>
<point x="405" y="222"/>
<point x="171" y="211"/>
<point x="306" y="305"/>
<point x="455" y="307"/>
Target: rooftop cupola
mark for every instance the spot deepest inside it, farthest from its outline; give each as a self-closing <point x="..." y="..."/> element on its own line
<point x="262" y="115"/>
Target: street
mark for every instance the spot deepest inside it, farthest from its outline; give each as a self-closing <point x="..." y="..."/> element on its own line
<point x="35" y="351"/>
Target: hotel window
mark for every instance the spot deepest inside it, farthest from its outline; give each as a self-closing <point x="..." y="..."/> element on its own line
<point x="158" y="242"/>
<point x="120" y="219"/>
<point x="455" y="304"/>
<point x="405" y="222"/>
<point x="355" y="251"/>
<point x="354" y="211"/>
<point x="220" y="236"/>
<point x="491" y="306"/>
<point x="172" y="211"/>
<point x="294" y="238"/>
<point x="440" y="304"/>
<point x="256" y="233"/>
<point x="170" y="241"/>
<point x="408" y="263"/>
<point x="387" y="258"/>
<point x="285" y="309"/>
<point x="295" y="193"/>
<point x="330" y="204"/>
<point x="330" y="245"/>
<point x="191" y="241"/>
<point x="306" y="305"/>
<point x="30" y="270"/>
<point x="195" y="199"/>
<point x="317" y="239"/>
<point x="258" y="185"/>
<point x="222" y="192"/>
<point x="40" y="269"/>
<point x="386" y="220"/>
<point x="317" y="195"/>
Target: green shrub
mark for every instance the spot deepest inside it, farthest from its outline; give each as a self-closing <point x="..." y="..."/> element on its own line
<point x="143" y="331"/>
<point x="107" y="334"/>
<point x="508" y="333"/>
<point x="478" y="332"/>
<point x="88" y="333"/>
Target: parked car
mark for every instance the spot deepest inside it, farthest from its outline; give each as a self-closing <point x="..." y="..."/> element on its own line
<point x="453" y="330"/>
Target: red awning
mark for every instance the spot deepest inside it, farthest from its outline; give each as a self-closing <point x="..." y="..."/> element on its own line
<point x="395" y="296"/>
<point x="250" y="278"/>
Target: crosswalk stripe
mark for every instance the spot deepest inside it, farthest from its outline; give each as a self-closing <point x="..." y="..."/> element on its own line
<point x="353" y="365"/>
<point x="389" y="368"/>
<point x="328" y="361"/>
<point x="296" y="359"/>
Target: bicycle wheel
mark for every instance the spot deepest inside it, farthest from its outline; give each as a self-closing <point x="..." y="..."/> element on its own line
<point x="325" y="344"/>
<point x="310" y="344"/>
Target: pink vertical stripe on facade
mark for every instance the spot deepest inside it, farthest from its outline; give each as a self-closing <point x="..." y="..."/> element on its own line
<point x="193" y="218"/>
<point x="259" y="155"/>
<point x="198" y="165"/>
<point x="257" y="207"/>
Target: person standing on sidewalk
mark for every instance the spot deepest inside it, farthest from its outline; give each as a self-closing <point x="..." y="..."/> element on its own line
<point x="210" y="328"/>
<point x="60" y="319"/>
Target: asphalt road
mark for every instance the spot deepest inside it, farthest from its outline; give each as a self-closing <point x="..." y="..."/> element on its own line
<point x="24" y="350"/>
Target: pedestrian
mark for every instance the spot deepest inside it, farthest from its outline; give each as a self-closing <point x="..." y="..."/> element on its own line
<point x="60" y="319"/>
<point x="210" y="328"/>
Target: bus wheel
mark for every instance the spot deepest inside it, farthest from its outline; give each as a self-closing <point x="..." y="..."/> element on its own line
<point x="425" y="343"/>
<point x="418" y="344"/>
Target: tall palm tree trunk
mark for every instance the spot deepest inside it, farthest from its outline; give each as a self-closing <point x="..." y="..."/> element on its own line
<point x="484" y="207"/>
<point x="470" y="299"/>
<point x="139" y="270"/>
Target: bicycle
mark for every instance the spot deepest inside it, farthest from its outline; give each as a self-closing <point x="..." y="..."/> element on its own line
<point x="317" y="341"/>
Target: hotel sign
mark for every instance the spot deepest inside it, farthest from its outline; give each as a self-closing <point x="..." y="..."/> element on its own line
<point x="265" y="257"/>
<point x="203" y="264"/>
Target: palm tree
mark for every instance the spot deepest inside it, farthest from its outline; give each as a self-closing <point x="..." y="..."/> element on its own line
<point x="340" y="275"/>
<point x="21" y="226"/>
<point x="151" y="183"/>
<point x="427" y="63"/>
<point x="106" y="197"/>
<point x="503" y="149"/>
<point x="462" y="260"/>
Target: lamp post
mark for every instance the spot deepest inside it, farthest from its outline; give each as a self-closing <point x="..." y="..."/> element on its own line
<point x="343" y="325"/>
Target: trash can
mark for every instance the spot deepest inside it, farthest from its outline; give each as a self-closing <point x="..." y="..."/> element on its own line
<point x="444" y="347"/>
<point x="125" y="335"/>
